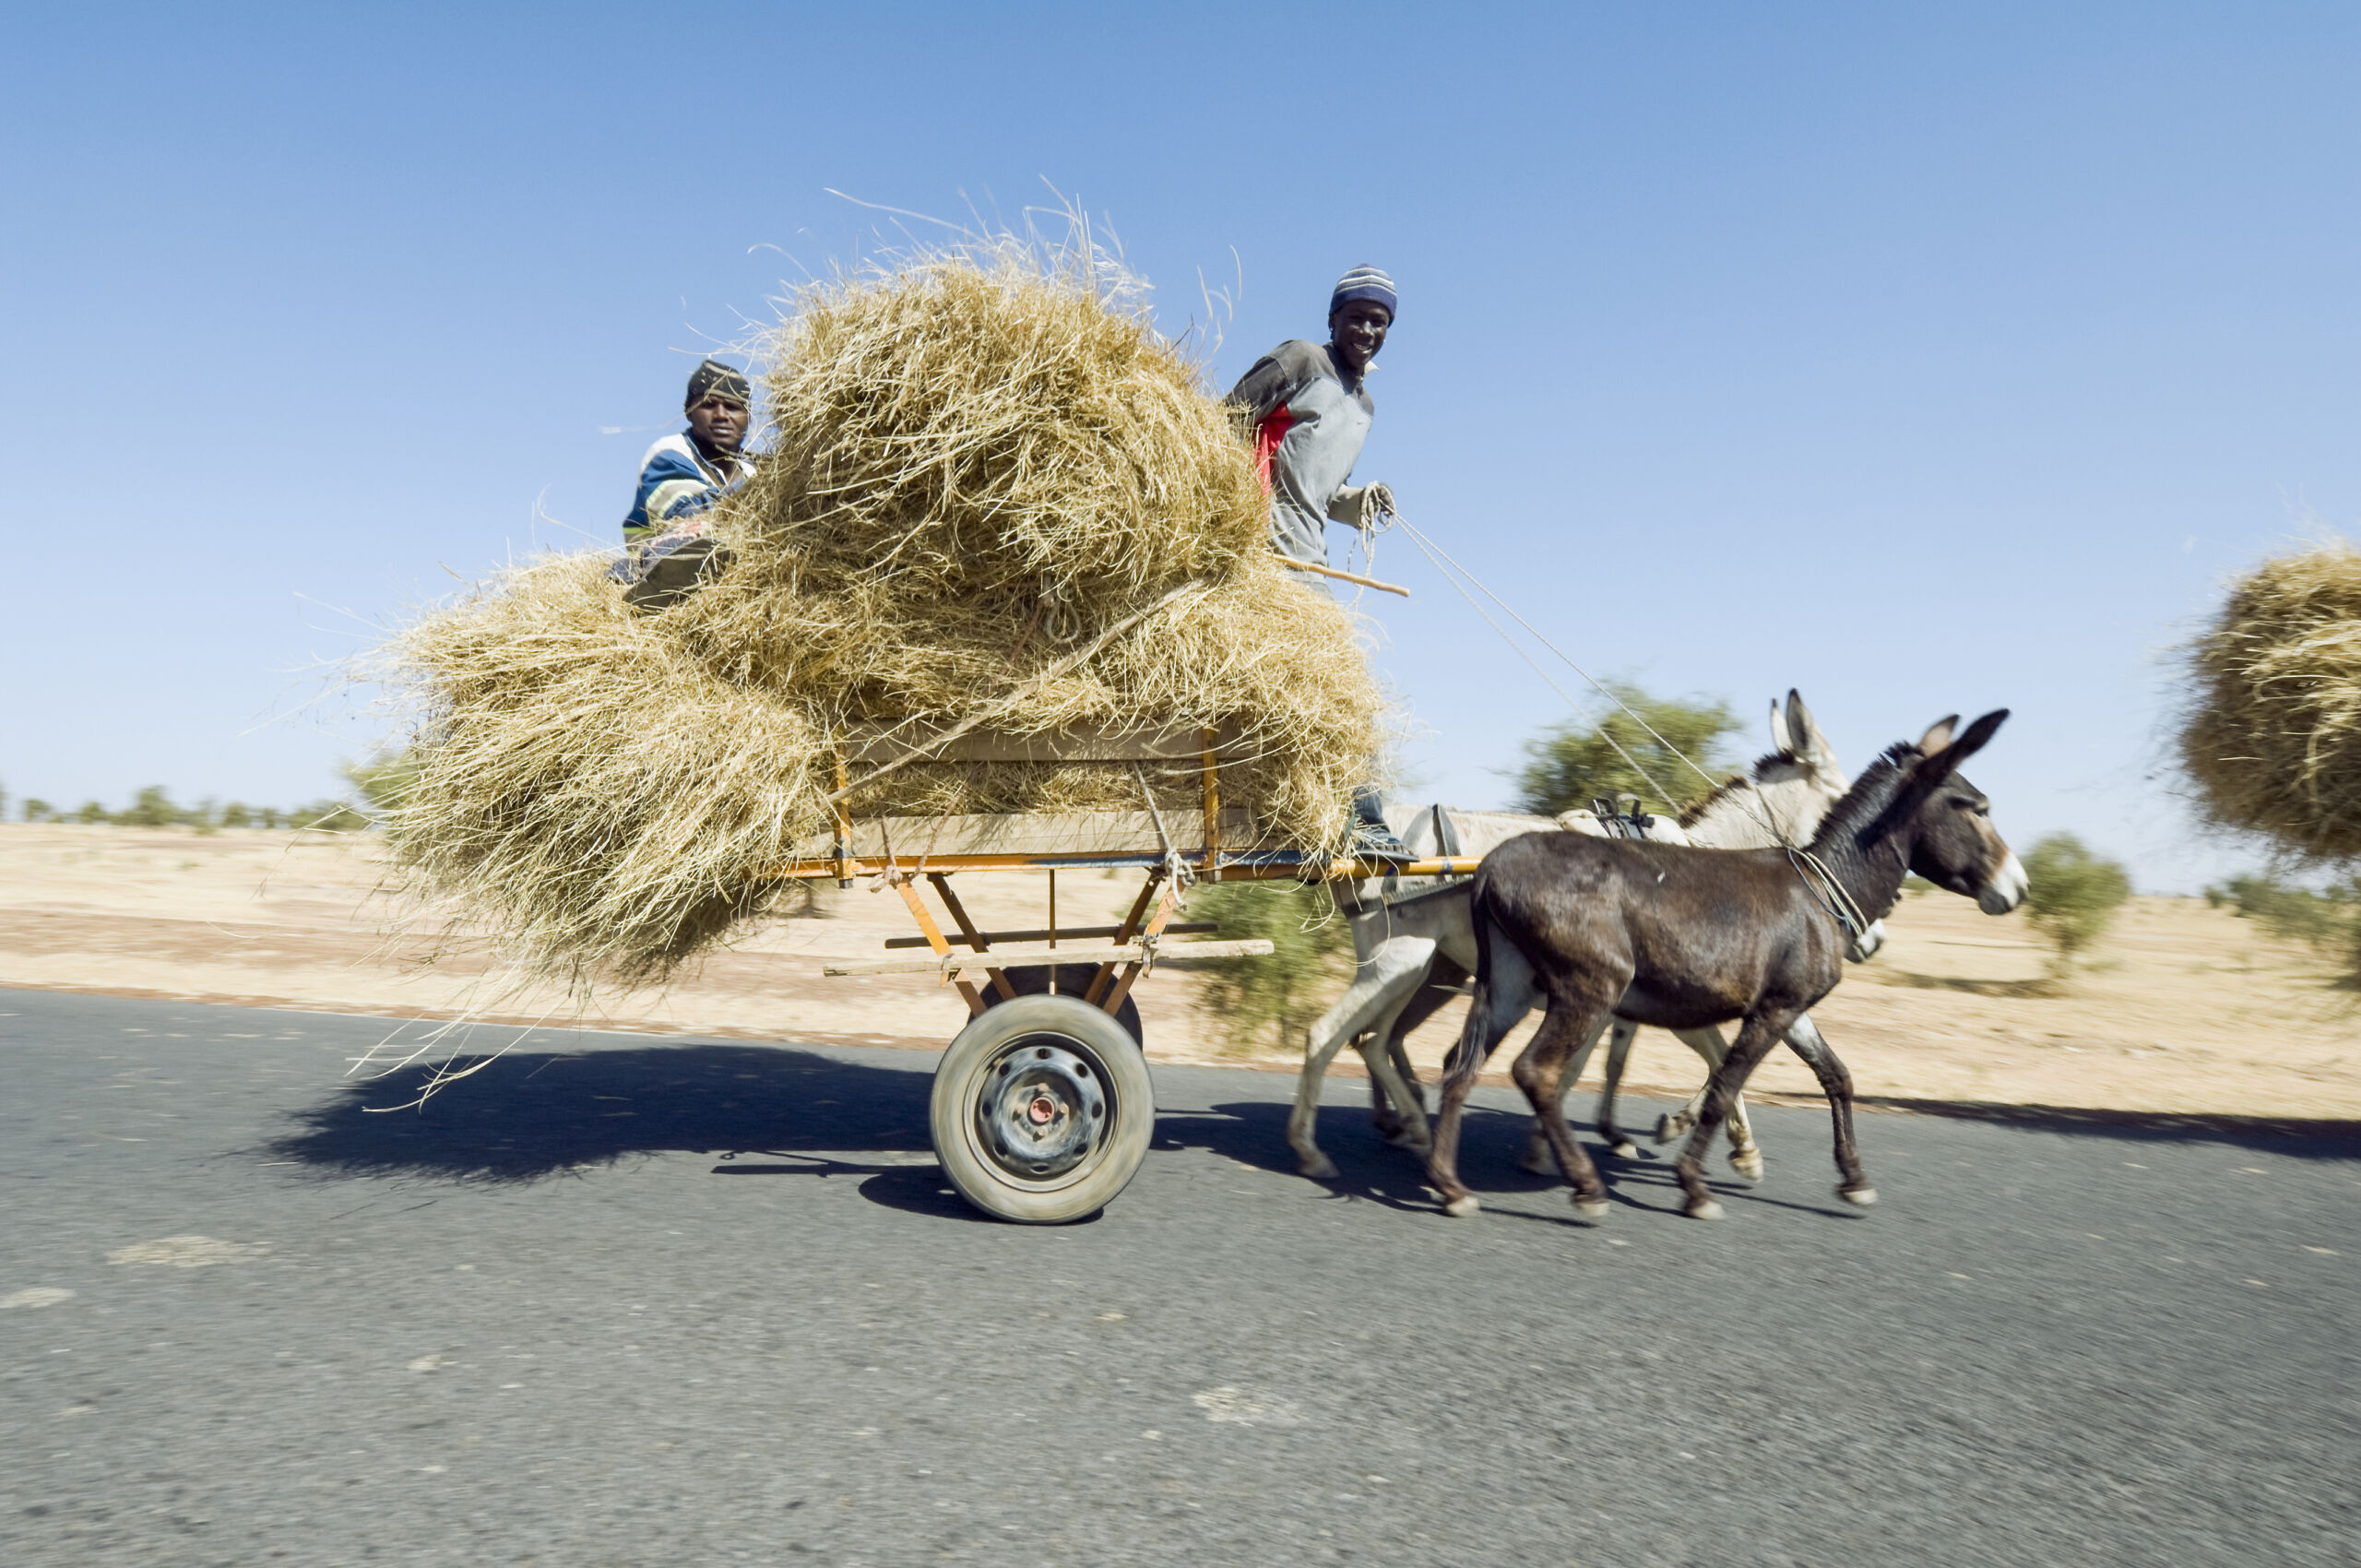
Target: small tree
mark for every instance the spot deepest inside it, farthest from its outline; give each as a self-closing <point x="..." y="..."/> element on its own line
<point x="1573" y="763"/>
<point x="1269" y="1001"/>
<point x="92" y="812"/>
<point x="2075" y="897"/>
<point x="152" y="807"/>
<point x="235" y="814"/>
<point x="38" y="810"/>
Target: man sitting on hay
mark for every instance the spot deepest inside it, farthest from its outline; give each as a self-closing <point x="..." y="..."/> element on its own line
<point x="680" y="478"/>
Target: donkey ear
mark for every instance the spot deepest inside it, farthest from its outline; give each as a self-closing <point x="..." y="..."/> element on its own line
<point x="1779" y="739"/>
<point x="1978" y="734"/>
<point x="1945" y="763"/>
<point x="1801" y="732"/>
<point x="1937" y="735"/>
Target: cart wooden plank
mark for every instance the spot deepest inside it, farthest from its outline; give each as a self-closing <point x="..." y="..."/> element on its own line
<point x="1090" y="953"/>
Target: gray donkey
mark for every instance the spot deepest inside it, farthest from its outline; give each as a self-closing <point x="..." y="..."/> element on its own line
<point x="1681" y="938"/>
<point x="1416" y="946"/>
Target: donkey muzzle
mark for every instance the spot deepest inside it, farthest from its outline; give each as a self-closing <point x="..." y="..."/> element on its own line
<point x="2007" y="889"/>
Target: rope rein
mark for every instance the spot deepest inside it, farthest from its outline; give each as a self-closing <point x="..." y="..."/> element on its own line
<point x="1452" y="571"/>
<point x="1826" y="890"/>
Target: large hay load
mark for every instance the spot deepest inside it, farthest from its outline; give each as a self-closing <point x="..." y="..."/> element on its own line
<point x="990" y="496"/>
<point x="2271" y="736"/>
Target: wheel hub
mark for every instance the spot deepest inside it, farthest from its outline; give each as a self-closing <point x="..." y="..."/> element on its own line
<point x="1042" y="1110"/>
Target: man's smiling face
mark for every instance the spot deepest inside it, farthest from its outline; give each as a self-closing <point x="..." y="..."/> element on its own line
<point x="1358" y="329"/>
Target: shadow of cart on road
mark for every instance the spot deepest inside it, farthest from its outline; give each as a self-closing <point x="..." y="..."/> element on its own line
<point x="529" y="1115"/>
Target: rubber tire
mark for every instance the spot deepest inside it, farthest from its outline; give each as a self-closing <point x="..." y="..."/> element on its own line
<point x="1112" y="1161"/>
<point x="1072" y="979"/>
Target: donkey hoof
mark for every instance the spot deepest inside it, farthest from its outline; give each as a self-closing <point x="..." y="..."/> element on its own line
<point x="1592" y="1208"/>
<point x="1625" y="1149"/>
<point x="1537" y="1162"/>
<point x="1319" y="1167"/>
<point x="1748" y="1164"/>
<point x="1703" y="1209"/>
<point x="1672" y="1125"/>
<point x="1864" y="1197"/>
<point x="1460" y="1209"/>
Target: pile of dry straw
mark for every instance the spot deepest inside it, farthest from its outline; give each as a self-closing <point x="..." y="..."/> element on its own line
<point x="977" y="463"/>
<point x="2271" y="737"/>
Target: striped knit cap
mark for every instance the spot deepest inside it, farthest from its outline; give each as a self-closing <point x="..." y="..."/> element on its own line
<point x="714" y="376"/>
<point x="1365" y="283"/>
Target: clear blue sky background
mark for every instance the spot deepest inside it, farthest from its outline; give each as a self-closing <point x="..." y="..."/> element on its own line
<point x="1928" y="358"/>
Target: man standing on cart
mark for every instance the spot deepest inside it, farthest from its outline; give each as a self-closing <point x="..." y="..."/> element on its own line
<point x="1308" y="408"/>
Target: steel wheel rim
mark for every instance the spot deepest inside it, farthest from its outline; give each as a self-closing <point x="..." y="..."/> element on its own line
<point x="1045" y="1106"/>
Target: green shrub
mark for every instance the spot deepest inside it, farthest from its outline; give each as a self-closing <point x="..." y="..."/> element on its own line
<point x="2328" y="920"/>
<point x="384" y="780"/>
<point x="2074" y="896"/>
<point x="1571" y="765"/>
<point x="38" y="810"/>
<point x="92" y="812"/>
<point x="2323" y="919"/>
<point x="235" y="814"/>
<point x="1260" y="1001"/>
<point x="329" y="816"/>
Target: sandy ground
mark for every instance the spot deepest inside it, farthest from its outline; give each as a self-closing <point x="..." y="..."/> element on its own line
<point x="2185" y="1011"/>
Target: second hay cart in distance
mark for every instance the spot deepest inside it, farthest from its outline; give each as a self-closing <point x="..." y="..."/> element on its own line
<point x="1042" y="1108"/>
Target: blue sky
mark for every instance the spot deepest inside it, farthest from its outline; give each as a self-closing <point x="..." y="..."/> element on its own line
<point x="1930" y="359"/>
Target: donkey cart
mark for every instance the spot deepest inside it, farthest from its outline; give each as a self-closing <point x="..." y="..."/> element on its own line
<point x="1042" y="1108"/>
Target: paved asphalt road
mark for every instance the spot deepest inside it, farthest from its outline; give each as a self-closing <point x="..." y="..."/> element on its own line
<point x="542" y="1321"/>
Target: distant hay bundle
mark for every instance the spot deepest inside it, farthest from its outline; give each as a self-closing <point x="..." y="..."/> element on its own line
<point x="2272" y="735"/>
<point x="976" y="467"/>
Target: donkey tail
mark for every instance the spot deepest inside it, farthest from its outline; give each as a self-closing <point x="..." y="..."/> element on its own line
<point x="1477" y="1036"/>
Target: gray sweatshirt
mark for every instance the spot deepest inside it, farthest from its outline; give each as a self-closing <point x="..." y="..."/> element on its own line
<point x="1309" y="416"/>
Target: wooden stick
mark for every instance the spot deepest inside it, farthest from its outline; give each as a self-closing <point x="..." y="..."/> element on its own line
<point x="1291" y="563"/>
<point x="1063" y="934"/>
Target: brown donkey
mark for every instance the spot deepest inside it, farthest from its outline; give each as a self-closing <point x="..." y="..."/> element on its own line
<point x="1681" y="938"/>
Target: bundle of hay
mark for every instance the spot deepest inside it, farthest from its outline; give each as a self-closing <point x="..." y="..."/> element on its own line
<point x="2271" y="738"/>
<point x="980" y="467"/>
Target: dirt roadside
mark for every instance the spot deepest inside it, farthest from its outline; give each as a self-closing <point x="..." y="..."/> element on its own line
<point x="2187" y="1011"/>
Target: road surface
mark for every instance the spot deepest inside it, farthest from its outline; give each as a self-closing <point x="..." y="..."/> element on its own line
<point x="243" y="1319"/>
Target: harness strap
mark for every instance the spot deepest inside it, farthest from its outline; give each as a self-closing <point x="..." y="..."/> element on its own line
<point x="1831" y="894"/>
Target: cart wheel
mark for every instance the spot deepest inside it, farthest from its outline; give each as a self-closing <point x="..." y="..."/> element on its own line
<point x="1042" y="1110"/>
<point x="1066" y="979"/>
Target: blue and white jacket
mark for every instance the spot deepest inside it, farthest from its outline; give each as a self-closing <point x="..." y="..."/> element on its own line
<point x="677" y="486"/>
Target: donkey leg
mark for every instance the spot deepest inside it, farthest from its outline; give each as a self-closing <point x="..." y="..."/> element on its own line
<point x="1677" y="1123"/>
<point x="1746" y="1157"/>
<point x="1619" y="1057"/>
<point x="1378" y="1054"/>
<point x="1756" y="1036"/>
<point x="1392" y="969"/>
<point x="1501" y="999"/>
<point x="1539" y="1157"/>
<point x="1443" y="977"/>
<point x="1541" y="1072"/>
<point x="1805" y="1039"/>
